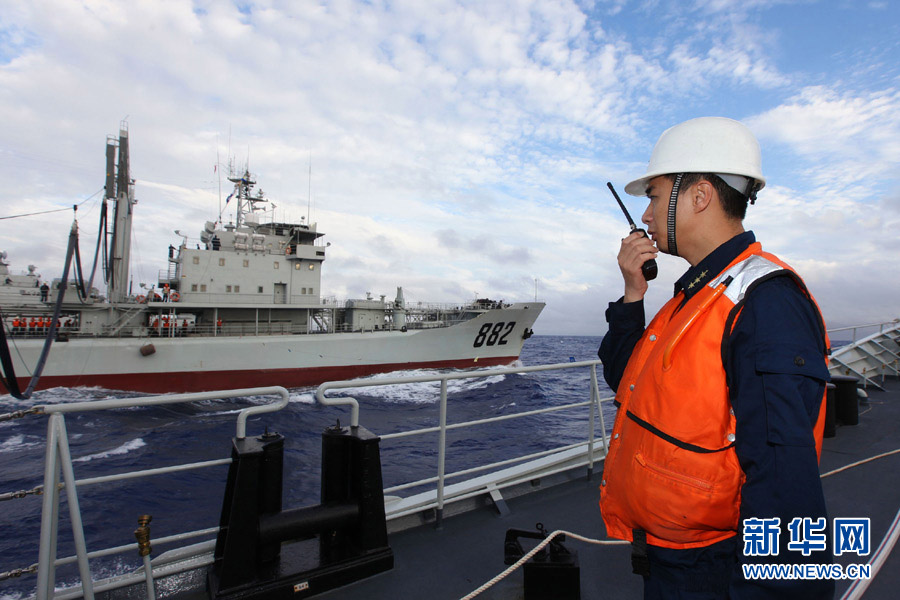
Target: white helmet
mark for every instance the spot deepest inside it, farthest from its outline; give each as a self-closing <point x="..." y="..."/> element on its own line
<point x="705" y="145"/>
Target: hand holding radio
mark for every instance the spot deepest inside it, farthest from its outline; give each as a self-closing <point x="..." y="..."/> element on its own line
<point x="649" y="268"/>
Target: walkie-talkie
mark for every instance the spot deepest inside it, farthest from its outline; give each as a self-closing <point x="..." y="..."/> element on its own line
<point x="649" y="268"/>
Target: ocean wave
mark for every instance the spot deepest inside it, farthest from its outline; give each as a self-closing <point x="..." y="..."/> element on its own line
<point x="123" y="449"/>
<point x="20" y="442"/>
<point x="62" y="395"/>
<point x="427" y="392"/>
<point x="418" y="392"/>
<point x="303" y="398"/>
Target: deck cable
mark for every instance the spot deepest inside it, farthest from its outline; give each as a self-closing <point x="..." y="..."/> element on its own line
<point x="537" y="549"/>
<point x="893" y="533"/>
<point x="18" y="572"/>
<point x="857" y="463"/>
<point x="36" y="491"/>
<point x="18" y="414"/>
<point x="859" y="587"/>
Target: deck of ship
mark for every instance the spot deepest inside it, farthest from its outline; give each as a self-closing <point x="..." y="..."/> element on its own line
<point x="468" y="550"/>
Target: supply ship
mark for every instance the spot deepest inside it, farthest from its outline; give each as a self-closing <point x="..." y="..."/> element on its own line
<point x="244" y="308"/>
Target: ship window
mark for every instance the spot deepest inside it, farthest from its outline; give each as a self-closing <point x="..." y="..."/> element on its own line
<point x="297" y="266"/>
<point x="193" y="287"/>
<point x="312" y="266"/>
<point x="310" y="290"/>
<point x="275" y="265"/>
<point x="221" y="262"/>
<point x="196" y="260"/>
<point x="237" y="289"/>
<point x="259" y="289"/>
<point x="303" y="291"/>
<point x="246" y="263"/>
<point x="228" y="289"/>
<point x="202" y="287"/>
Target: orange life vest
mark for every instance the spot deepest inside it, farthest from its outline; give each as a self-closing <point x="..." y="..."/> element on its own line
<point x="672" y="470"/>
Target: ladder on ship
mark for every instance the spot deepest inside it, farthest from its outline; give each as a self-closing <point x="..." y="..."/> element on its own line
<point x="124" y="319"/>
<point x="871" y="358"/>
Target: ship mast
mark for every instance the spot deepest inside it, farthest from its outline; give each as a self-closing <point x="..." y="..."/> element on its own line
<point x="119" y="190"/>
<point x="247" y="204"/>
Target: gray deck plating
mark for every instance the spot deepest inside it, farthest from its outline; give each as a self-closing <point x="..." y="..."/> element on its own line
<point x="468" y="550"/>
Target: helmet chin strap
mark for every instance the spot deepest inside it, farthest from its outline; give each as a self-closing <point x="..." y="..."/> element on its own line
<point x="670" y="220"/>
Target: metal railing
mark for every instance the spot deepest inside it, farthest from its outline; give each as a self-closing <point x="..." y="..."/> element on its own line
<point x="855" y="328"/>
<point x="869" y="357"/>
<point x="59" y="476"/>
<point x="157" y="328"/>
<point x="58" y="459"/>
<point x="442" y="428"/>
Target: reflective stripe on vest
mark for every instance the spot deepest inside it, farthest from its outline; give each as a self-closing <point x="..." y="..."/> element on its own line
<point x="671" y="469"/>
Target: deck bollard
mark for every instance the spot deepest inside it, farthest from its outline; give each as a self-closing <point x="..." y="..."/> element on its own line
<point x="846" y="400"/>
<point x="264" y="552"/>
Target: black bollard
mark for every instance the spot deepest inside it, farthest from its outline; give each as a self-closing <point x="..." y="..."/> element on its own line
<point x="846" y="400"/>
<point x="264" y="552"/>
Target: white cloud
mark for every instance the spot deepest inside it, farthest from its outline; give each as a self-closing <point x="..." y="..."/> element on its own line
<point x="722" y="63"/>
<point x="498" y="122"/>
<point x="849" y="141"/>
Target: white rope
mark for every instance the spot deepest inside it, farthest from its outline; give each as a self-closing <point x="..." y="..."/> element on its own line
<point x="537" y="549"/>
<point x="547" y="540"/>
<point x="859" y="587"/>
<point x="859" y="462"/>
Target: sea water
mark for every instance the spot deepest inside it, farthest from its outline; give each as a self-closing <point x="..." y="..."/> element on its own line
<point x="123" y="440"/>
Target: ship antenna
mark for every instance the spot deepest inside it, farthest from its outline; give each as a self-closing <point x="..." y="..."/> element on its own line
<point x="309" y="188"/>
<point x="219" y="174"/>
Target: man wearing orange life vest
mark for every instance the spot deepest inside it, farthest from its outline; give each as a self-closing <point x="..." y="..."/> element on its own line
<point x="721" y="398"/>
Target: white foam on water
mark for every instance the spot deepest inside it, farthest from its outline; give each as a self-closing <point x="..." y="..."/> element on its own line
<point x="303" y="398"/>
<point x="20" y="442"/>
<point x="418" y="392"/>
<point x="123" y="449"/>
<point x="427" y="392"/>
<point x="61" y="395"/>
<point x="117" y="568"/>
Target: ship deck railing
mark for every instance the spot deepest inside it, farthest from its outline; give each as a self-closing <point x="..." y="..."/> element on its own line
<point x="233" y="329"/>
<point x="60" y="478"/>
<point x="836" y="333"/>
<point x="870" y="359"/>
<point x="512" y="472"/>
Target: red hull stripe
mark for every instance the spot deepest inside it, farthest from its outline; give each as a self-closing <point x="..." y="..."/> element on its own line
<point x="201" y="381"/>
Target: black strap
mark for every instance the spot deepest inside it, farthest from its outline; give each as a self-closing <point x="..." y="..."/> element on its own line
<point x="670" y="221"/>
<point x="640" y="562"/>
<point x="674" y="440"/>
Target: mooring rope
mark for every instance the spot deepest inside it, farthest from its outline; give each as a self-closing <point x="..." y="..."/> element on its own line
<point x="547" y="540"/>
<point x="537" y="549"/>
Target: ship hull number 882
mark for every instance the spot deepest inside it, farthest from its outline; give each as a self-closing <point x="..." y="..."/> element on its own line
<point x="492" y="334"/>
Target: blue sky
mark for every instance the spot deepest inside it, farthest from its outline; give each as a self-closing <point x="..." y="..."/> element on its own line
<point x="459" y="147"/>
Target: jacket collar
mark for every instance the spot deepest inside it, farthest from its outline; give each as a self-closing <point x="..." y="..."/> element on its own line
<point x="696" y="277"/>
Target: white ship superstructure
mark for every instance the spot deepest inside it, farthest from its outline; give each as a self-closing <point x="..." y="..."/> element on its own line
<point x="242" y="308"/>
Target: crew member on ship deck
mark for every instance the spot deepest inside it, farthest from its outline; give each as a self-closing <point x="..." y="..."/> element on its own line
<point x="720" y="399"/>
